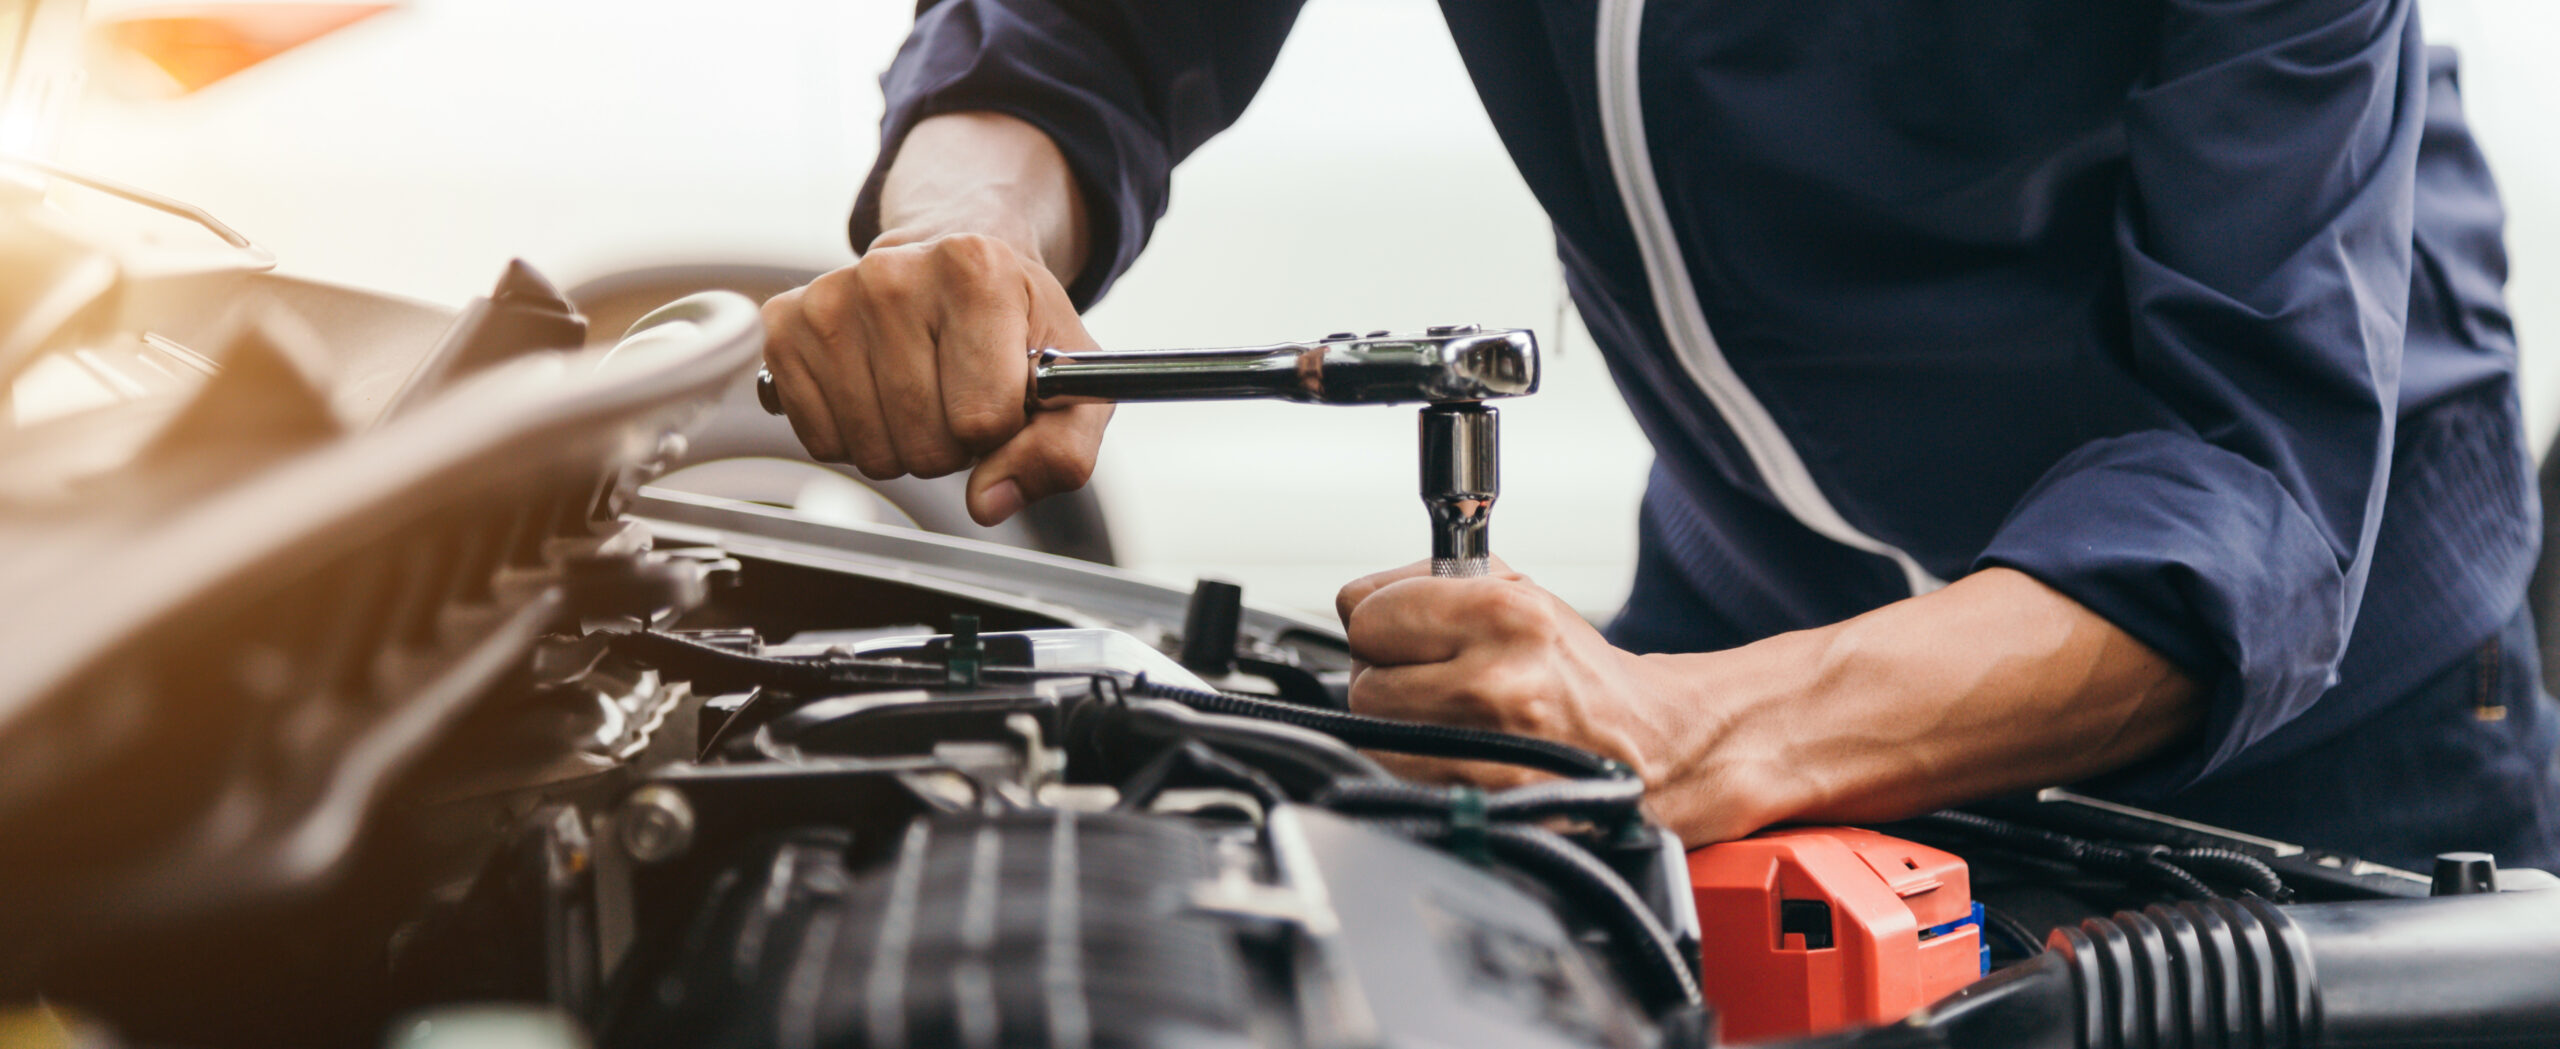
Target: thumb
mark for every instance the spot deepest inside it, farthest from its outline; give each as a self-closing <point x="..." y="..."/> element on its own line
<point x="1358" y="590"/>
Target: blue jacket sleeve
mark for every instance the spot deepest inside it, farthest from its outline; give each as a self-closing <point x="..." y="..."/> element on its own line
<point x="1127" y="89"/>
<point x="2264" y="236"/>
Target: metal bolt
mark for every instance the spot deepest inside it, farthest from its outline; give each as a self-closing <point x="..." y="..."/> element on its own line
<point x="657" y="824"/>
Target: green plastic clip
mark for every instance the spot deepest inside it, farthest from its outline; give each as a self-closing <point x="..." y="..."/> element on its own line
<point x="1467" y="825"/>
<point x="961" y="657"/>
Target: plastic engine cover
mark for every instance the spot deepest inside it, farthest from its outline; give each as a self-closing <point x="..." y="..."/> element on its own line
<point x="1052" y="929"/>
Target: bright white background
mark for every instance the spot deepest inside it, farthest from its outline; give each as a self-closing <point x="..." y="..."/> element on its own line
<point x="419" y="150"/>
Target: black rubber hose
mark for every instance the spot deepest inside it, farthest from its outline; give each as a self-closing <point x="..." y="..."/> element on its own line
<point x="2453" y="971"/>
<point x="2177" y="870"/>
<point x="1197" y="763"/>
<point x="1303" y="760"/>
<point x="1598" y="800"/>
<point x="1385" y="797"/>
<point x="1402" y="737"/>
<point x="2022" y="940"/>
<point x="1650" y="953"/>
<point x="2458" y="972"/>
<point x="2478" y="970"/>
<point x="1541" y="850"/>
<point x="1594" y="799"/>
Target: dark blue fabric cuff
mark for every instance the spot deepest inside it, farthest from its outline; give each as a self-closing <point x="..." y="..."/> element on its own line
<point x="2203" y="556"/>
<point x="965" y="57"/>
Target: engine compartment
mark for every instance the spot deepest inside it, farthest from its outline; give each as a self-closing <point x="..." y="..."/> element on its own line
<point x="354" y="707"/>
<point x="862" y="836"/>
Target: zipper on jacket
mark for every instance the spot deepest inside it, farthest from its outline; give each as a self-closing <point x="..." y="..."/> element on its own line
<point x="1675" y="301"/>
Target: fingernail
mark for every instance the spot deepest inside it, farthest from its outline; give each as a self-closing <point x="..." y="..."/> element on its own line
<point x="1002" y="500"/>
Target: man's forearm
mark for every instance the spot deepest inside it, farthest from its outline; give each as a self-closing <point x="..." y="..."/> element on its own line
<point x="1995" y="683"/>
<point x="986" y="173"/>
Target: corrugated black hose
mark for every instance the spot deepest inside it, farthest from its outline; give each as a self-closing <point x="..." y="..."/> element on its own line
<point x="2237" y="868"/>
<point x="2462" y="972"/>
<point x="2183" y="870"/>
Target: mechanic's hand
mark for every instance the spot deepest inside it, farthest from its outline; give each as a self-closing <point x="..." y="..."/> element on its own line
<point x="914" y="361"/>
<point x="1497" y="652"/>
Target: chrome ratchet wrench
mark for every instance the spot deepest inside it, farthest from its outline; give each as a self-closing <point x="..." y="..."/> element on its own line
<point x="1450" y="370"/>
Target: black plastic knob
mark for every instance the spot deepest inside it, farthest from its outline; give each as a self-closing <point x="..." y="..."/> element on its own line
<point x="2464" y="874"/>
<point x="1209" y="627"/>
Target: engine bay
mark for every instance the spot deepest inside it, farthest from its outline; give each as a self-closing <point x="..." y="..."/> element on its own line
<point x="347" y="710"/>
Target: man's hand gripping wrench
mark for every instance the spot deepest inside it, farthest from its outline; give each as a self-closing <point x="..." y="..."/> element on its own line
<point x="1450" y="370"/>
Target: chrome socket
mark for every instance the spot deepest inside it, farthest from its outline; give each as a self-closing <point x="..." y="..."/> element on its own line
<point x="1461" y="478"/>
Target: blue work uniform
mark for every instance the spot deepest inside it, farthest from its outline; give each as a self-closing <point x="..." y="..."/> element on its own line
<point x="2191" y="309"/>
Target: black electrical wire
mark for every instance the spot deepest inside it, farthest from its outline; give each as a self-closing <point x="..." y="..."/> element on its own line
<point x="2183" y="870"/>
<point x="2236" y="867"/>
<point x="1467" y="820"/>
<point x="2024" y="941"/>
<point x="1306" y="760"/>
<point x="1544" y="851"/>
<point x="2076" y="852"/>
<point x="1653" y="955"/>
<point x="1600" y="799"/>
<point x="1597" y="800"/>
<point x="1192" y="762"/>
<point x="1401" y="737"/>
<point x="686" y="657"/>
<point x="736" y="717"/>
<point x="2159" y="869"/>
<point x="1385" y="797"/>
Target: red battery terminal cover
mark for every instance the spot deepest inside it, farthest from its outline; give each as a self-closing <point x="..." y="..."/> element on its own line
<point x="1814" y="929"/>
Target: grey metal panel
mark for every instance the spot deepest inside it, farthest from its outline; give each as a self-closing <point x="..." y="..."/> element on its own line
<point x="1072" y="591"/>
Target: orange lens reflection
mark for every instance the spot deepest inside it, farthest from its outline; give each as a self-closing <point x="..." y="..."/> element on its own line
<point x="199" y="45"/>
